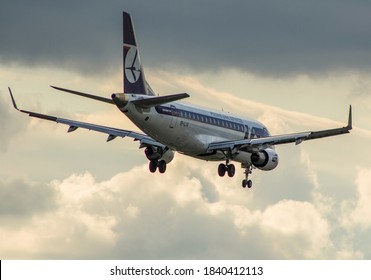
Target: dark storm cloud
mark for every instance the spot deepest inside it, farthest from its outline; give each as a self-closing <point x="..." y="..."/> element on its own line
<point x="20" y="199"/>
<point x="68" y="34"/>
<point x="265" y="37"/>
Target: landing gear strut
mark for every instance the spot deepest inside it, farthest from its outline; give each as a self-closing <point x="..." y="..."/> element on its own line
<point x="229" y="168"/>
<point x="246" y="182"/>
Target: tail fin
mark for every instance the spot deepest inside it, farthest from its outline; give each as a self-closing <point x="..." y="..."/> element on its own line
<point x="134" y="80"/>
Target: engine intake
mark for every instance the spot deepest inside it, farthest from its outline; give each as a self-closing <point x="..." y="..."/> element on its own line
<point x="265" y="159"/>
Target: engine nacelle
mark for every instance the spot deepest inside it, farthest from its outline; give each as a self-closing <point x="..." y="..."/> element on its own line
<point x="265" y="159"/>
<point x="157" y="154"/>
<point x="167" y="156"/>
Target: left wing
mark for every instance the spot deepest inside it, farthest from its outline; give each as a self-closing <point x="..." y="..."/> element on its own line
<point x="296" y="138"/>
<point x="144" y="139"/>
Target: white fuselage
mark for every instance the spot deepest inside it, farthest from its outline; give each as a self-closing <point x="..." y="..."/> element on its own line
<point x="189" y="129"/>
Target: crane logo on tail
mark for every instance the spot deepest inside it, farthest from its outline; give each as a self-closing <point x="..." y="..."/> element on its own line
<point x="132" y="65"/>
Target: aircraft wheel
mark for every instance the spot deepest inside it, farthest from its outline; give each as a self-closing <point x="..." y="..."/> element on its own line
<point x="249" y="184"/>
<point x="221" y="170"/>
<point x="152" y="166"/>
<point x="162" y="166"/>
<point x="231" y="170"/>
<point x="246" y="183"/>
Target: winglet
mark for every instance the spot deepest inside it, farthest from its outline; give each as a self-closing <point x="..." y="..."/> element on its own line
<point x="349" y="126"/>
<point x="11" y="96"/>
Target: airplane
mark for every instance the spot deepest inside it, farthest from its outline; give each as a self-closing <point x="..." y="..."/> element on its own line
<point x="169" y="126"/>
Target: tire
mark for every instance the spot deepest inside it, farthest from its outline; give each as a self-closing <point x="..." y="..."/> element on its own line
<point x="162" y="166"/>
<point x="221" y="170"/>
<point x="152" y="166"/>
<point x="249" y="184"/>
<point x="231" y="170"/>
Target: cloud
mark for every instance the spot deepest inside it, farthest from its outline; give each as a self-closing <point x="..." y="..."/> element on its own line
<point x="131" y="216"/>
<point x="187" y="213"/>
<point x="65" y="36"/>
<point x="190" y="212"/>
<point x="293" y="222"/>
<point x="278" y="120"/>
<point x="9" y="126"/>
<point x="267" y="38"/>
<point x="20" y="199"/>
<point x="358" y="213"/>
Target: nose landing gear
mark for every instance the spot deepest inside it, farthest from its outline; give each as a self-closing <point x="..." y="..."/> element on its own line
<point x="246" y="182"/>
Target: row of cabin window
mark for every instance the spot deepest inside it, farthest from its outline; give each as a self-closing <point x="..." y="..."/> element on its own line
<point x="210" y="120"/>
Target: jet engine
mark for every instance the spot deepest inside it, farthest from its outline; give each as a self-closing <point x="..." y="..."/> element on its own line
<point x="265" y="159"/>
<point x="153" y="153"/>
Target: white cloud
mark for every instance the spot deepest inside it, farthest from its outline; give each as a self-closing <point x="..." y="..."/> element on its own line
<point x="9" y="126"/>
<point x="137" y="215"/>
<point x="189" y="212"/>
<point x="294" y="222"/>
<point x="358" y="213"/>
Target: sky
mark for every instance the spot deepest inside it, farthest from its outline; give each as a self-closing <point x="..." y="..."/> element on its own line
<point x="293" y="65"/>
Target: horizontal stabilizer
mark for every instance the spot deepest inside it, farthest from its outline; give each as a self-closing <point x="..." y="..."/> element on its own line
<point x="158" y="100"/>
<point x="95" y="97"/>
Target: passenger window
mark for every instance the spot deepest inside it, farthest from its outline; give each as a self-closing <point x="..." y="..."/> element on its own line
<point x="246" y="132"/>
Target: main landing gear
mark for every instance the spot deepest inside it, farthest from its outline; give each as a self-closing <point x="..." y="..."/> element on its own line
<point x="231" y="170"/>
<point x="155" y="164"/>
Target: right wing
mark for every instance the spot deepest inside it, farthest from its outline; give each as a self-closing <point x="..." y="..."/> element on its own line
<point x="112" y="133"/>
<point x="297" y="138"/>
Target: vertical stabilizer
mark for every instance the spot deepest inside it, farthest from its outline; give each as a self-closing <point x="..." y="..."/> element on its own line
<point x="134" y="80"/>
